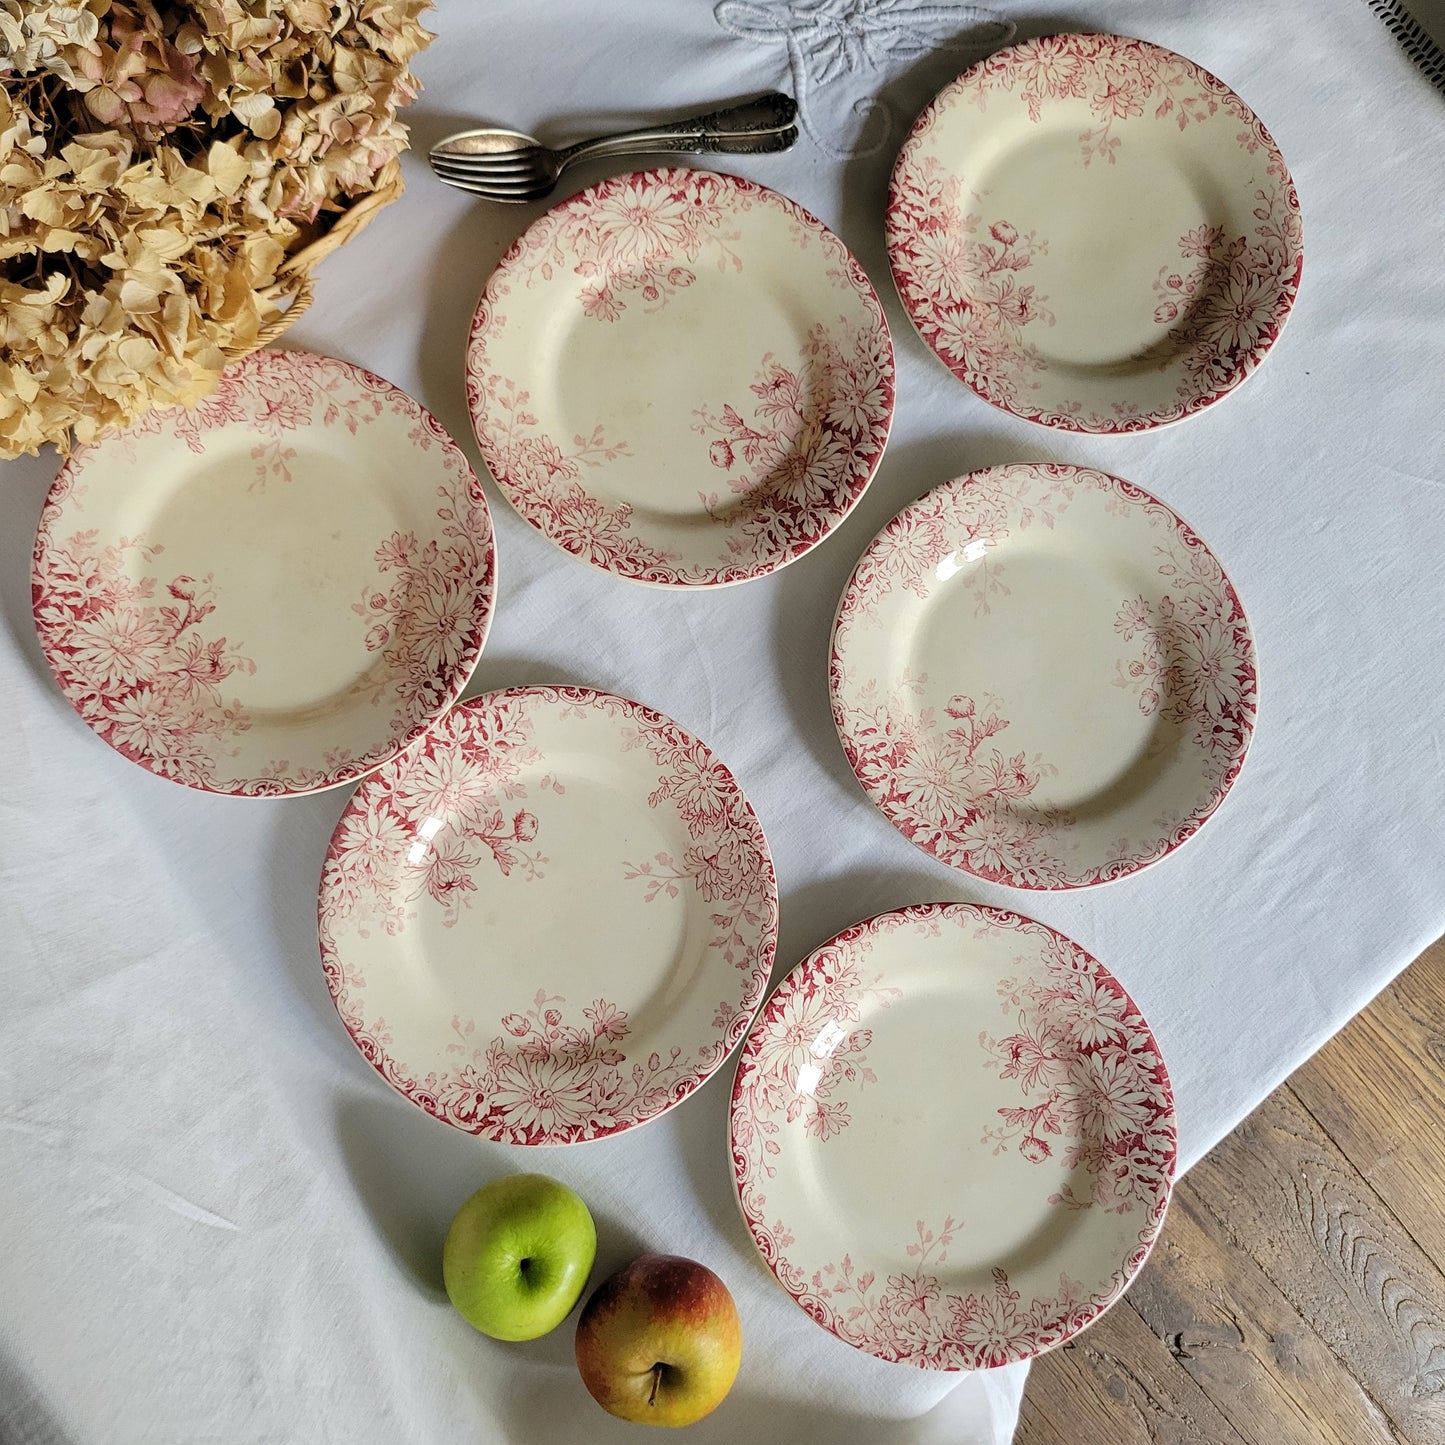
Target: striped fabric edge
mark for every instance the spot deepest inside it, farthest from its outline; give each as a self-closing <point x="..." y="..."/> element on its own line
<point x="1417" y="42"/>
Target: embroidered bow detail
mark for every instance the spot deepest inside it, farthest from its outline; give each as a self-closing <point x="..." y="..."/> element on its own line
<point x="830" y="40"/>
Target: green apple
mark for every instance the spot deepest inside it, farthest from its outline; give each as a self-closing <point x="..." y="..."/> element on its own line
<point x="660" y="1341"/>
<point x="518" y="1255"/>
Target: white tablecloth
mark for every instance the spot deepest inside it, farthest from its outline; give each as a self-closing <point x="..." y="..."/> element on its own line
<point x="218" y="1223"/>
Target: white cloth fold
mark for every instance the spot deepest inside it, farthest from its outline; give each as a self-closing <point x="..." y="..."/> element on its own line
<point x="221" y="1226"/>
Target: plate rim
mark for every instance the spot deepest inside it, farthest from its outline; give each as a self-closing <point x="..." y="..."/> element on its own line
<point x="862" y="284"/>
<point x="816" y="1310"/>
<point x="1181" y="834"/>
<point x="1044" y="416"/>
<point x="761" y="970"/>
<point x="484" y="611"/>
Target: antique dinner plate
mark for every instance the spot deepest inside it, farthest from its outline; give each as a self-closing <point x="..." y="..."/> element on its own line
<point x="551" y="920"/>
<point x="953" y="1137"/>
<point x="681" y="377"/>
<point x="1094" y="233"/>
<point x="1042" y="676"/>
<point x="274" y="592"/>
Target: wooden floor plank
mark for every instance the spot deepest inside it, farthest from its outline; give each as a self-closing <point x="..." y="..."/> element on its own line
<point x="1378" y="1091"/>
<point x="1114" y="1385"/>
<point x="1286" y="1196"/>
<point x="1299" y="1285"/>
<point x="1224" y="1322"/>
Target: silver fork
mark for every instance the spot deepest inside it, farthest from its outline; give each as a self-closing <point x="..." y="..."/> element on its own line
<point x="505" y="165"/>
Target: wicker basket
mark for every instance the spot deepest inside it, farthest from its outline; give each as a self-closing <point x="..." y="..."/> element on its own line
<point x="293" y="290"/>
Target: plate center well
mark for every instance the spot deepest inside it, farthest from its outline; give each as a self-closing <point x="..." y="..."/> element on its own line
<point x="643" y="378"/>
<point x="572" y="925"/>
<point x="290" y="553"/>
<point x="1027" y="635"/>
<point x="923" y="1146"/>
<point x="1105" y="233"/>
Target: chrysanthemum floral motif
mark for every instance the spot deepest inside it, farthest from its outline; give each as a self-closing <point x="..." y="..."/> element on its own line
<point x="1224" y="307"/>
<point x="135" y="647"/>
<point x="791" y="451"/>
<point x="420" y="835"/>
<point x="942" y="768"/>
<point x="638" y="241"/>
<point x="138" y="659"/>
<point x="442" y="811"/>
<point x="546" y="1080"/>
<point x="948" y="787"/>
<point x="1094" y="1092"/>
<point x="967" y="275"/>
<point x="545" y="482"/>
<point x="721" y="864"/>
<point x="1091" y="1081"/>
<point x="1119" y="78"/>
<point x="795" y="447"/>
<point x="813" y="1049"/>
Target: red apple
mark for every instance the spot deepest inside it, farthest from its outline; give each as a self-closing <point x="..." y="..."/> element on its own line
<point x="660" y="1341"/>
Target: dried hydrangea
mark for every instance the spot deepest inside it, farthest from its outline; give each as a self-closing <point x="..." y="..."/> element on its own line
<point x="47" y="37"/>
<point x="158" y="163"/>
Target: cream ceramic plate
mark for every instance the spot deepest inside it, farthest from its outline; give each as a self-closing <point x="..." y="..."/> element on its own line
<point x="681" y="377"/>
<point x="952" y="1136"/>
<point x="272" y="593"/>
<point x="550" y="921"/>
<point x="1094" y="233"/>
<point x="1042" y="676"/>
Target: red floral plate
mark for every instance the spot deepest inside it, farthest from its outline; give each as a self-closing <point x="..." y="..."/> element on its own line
<point x="681" y="377"/>
<point x="1042" y="676"/>
<point x="1094" y="233"/>
<point x="952" y="1136"/>
<point x="272" y="593"/>
<point x="552" y="920"/>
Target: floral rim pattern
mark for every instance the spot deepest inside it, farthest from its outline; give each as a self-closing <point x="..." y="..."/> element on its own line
<point x="1090" y="1079"/>
<point x="130" y="640"/>
<point x="1187" y="658"/>
<point x="548" y="1071"/>
<point x="797" y="444"/>
<point x="1222" y="299"/>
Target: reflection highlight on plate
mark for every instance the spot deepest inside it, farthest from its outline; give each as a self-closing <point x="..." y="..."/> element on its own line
<point x="681" y="377"/>
<point x="551" y="920"/>
<point x="426" y="831"/>
<point x="952" y="1197"/>
<point x="1094" y="233"/>
<point x="949" y="567"/>
<point x="1042" y="676"/>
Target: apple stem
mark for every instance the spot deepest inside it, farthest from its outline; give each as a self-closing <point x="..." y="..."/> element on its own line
<point x="656" y="1381"/>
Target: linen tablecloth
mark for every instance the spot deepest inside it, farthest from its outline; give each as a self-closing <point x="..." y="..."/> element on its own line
<point x="220" y="1225"/>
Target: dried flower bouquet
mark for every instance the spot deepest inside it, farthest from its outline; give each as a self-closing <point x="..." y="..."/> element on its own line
<point x="168" y="175"/>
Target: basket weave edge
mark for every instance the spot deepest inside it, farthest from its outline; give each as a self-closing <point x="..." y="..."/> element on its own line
<point x="294" y="288"/>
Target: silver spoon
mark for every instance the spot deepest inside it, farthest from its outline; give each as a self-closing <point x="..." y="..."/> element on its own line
<point x="506" y="165"/>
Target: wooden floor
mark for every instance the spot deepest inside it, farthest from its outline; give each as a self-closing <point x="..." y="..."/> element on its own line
<point x="1297" y="1293"/>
